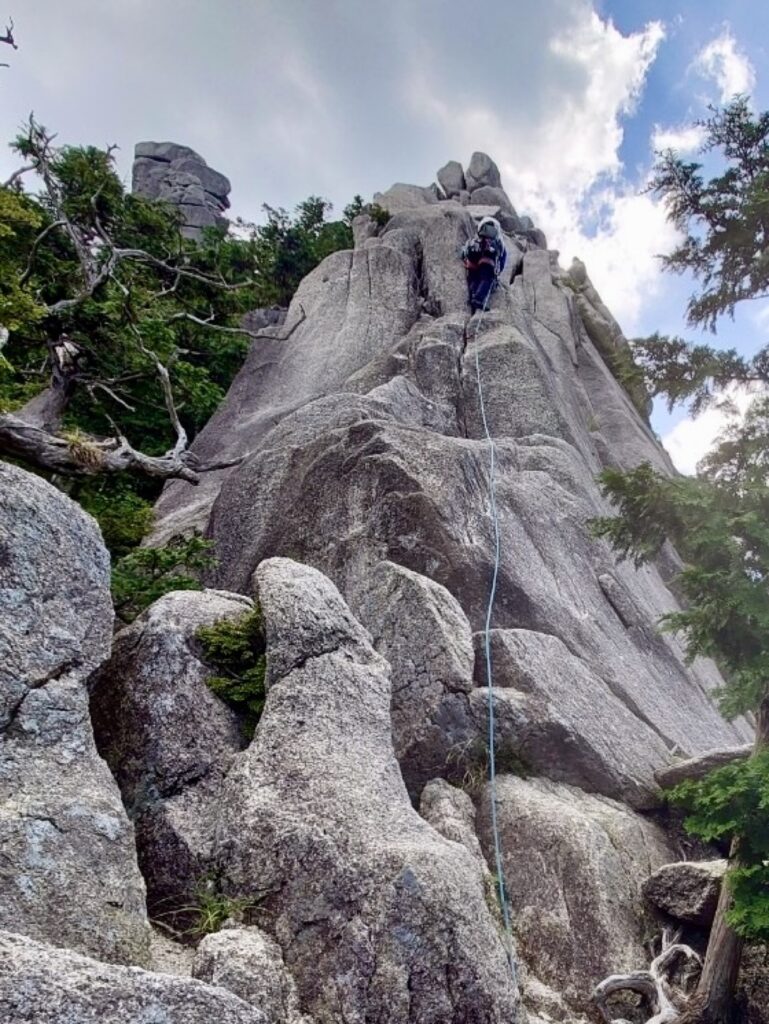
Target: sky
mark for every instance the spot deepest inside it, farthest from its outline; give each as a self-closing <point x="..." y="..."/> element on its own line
<point x="336" y="97"/>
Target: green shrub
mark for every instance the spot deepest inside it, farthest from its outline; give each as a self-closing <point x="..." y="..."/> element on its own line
<point x="734" y="801"/>
<point x="235" y="650"/>
<point x="145" y="574"/>
<point x="379" y="215"/>
<point x="125" y="517"/>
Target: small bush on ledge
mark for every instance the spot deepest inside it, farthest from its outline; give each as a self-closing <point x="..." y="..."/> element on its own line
<point x="235" y="651"/>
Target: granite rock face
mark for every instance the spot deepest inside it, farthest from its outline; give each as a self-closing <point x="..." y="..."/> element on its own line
<point x="451" y="178"/>
<point x="69" y="874"/>
<point x="167" y="738"/>
<point x="423" y="633"/>
<point x="364" y="443"/>
<point x="180" y="176"/>
<point x="482" y="171"/>
<point x="53" y="986"/>
<point x="360" y="426"/>
<point x="687" y="890"/>
<point x="374" y="911"/>
<point x="574" y="865"/>
<point x="570" y="727"/>
<point x="249" y="963"/>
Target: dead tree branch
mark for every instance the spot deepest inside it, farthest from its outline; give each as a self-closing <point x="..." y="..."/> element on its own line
<point x="88" y="456"/>
<point x="8" y="37"/>
<point x="287" y="335"/>
<point x="33" y="252"/>
<point x="168" y="394"/>
<point x="664" y="1000"/>
<point x="32" y="433"/>
<point x="10" y="182"/>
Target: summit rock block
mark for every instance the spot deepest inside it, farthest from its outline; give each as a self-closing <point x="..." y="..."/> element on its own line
<point x="180" y="176"/>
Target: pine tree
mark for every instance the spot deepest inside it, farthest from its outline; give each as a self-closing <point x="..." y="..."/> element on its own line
<point x="719" y="521"/>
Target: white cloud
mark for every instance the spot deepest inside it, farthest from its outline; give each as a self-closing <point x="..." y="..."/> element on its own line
<point x="356" y="96"/>
<point x="728" y="66"/>
<point x="684" y="139"/>
<point x="692" y="438"/>
<point x="564" y="167"/>
<point x="621" y="256"/>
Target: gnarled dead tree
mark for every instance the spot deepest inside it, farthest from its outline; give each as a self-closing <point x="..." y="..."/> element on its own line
<point x="8" y="39"/>
<point x="664" y="999"/>
<point x="33" y="432"/>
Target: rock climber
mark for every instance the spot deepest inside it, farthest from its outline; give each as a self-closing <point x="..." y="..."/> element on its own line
<point x="484" y="257"/>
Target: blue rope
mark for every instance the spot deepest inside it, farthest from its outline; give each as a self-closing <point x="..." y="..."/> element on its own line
<point x="487" y="646"/>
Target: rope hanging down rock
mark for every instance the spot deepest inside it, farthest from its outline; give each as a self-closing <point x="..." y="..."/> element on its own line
<point x="487" y="648"/>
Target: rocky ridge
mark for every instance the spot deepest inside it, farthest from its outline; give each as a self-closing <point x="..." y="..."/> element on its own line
<point x="358" y="519"/>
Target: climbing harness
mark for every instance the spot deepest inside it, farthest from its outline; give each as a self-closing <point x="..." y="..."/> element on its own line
<point x="487" y="647"/>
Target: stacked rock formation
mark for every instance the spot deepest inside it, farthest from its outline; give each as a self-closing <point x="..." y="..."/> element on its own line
<point x="351" y="837"/>
<point x="364" y="456"/>
<point x="180" y="176"/>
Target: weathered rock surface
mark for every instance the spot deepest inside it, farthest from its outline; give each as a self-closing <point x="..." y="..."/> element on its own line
<point x="362" y="442"/>
<point x="374" y="911"/>
<point x="180" y="176"/>
<point x="572" y="728"/>
<point x="687" y="890"/>
<point x="267" y="316"/>
<point x="250" y="964"/>
<point x="400" y="197"/>
<point x="53" y="986"/>
<point x="167" y="738"/>
<point x="363" y="227"/>
<point x="452" y="813"/>
<point x="451" y="178"/>
<point x="573" y="865"/>
<point x="695" y="768"/>
<point x="423" y="633"/>
<point x="487" y="195"/>
<point x="482" y="171"/>
<point x="69" y="874"/>
<point x="54" y="569"/>
<point x="419" y="498"/>
<point x="753" y="989"/>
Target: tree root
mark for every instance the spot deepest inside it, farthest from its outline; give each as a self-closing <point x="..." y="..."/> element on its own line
<point x="665" y="1000"/>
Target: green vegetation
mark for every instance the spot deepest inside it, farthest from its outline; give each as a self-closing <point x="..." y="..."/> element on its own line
<point x="378" y="214"/>
<point x="207" y="912"/>
<point x="236" y="651"/>
<point x="719" y="520"/>
<point x="211" y="909"/>
<point x="470" y="764"/>
<point x="725" y="219"/>
<point x="119" y="338"/>
<point x="145" y="574"/>
<point x="287" y="249"/>
<point x="734" y="801"/>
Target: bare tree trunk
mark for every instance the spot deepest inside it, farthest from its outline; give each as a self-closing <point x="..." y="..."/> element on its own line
<point x="89" y="457"/>
<point x="718" y="981"/>
<point x="46" y="410"/>
<point x="715" y="991"/>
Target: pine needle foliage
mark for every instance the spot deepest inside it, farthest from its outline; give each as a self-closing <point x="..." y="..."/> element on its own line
<point x="145" y="574"/>
<point x="235" y="650"/>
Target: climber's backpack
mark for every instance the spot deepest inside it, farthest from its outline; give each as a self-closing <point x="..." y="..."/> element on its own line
<point x="481" y="250"/>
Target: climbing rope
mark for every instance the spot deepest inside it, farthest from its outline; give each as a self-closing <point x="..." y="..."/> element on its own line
<point x="487" y="647"/>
